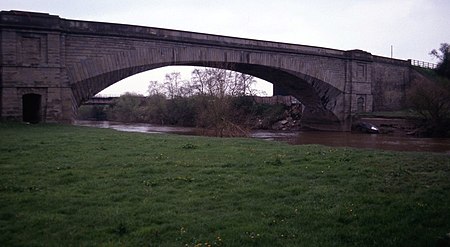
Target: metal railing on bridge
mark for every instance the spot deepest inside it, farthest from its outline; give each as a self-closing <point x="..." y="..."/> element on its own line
<point x="423" y="64"/>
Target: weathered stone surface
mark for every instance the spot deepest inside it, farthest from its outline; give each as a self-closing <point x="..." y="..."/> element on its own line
<point x="69" y="61"/>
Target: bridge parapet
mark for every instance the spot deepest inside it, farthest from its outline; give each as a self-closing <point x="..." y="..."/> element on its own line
<point x="30" y="20"/>
<point x="359" y="55"/>
<point x="45" y="21"/>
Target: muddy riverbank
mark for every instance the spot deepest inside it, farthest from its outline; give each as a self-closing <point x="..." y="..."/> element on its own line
<point x="395" y="142"/>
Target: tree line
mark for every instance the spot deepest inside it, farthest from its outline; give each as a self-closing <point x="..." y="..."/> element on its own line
<point x="217" y="100"/>
<point x="429" y="96"/>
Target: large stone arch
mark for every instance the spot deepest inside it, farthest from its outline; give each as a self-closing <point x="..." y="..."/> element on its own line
<point x="90" y="76"/>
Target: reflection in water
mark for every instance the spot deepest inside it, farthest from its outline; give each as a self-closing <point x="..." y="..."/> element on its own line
<point x="358" y="140"/>
<point x="335" y="139"/>
<point x="137" y="127"/>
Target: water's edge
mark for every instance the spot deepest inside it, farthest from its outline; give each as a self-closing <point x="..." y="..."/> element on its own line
<point x="335" y="139"/>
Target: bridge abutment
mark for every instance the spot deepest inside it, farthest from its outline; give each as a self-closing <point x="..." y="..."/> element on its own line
<point x="33" y="63"/>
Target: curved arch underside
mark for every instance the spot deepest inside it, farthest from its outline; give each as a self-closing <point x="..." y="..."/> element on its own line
<point x="319" y="97"/>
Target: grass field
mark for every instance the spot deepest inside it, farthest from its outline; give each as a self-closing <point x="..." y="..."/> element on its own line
<point x="75" y="186"/>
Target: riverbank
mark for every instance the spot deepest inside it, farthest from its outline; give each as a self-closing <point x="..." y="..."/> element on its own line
<point x="390" y="142"/>
<point x="66" y="185"/>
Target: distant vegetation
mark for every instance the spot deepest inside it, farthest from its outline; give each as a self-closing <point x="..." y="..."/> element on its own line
<point x="214" y="99"/>
<point x="233" y="118"/>
<point x="430" y="96"/>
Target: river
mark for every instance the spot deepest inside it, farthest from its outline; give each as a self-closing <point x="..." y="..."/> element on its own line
<point x="335" y="139"/>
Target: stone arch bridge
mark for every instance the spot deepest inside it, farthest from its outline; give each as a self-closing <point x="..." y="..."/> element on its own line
<point x="50" y="66"/>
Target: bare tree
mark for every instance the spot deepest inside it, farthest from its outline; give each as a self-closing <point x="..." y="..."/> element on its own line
<point x="221" y="82"/>
<point x="215" y="89"/>
<point x="443" y="54"/>
<point x="172" y="85"/>
<point x="154" y="88"/>
<point x="199" y="81"/>
<point x="242" y="84"/>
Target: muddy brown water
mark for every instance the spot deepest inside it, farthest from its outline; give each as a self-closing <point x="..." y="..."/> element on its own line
<point x="334" y="139"/>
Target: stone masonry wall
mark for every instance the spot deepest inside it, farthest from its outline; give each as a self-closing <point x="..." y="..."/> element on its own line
<point x="389" y="84"/>
<point x="31" y="64"/>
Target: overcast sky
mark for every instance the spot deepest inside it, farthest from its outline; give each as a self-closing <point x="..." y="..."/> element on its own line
<point x="412" y="27"/>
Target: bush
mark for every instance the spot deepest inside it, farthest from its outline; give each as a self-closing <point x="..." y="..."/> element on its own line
<point x="128" y="108"/>
<point x="430" y="99"/>
<point x="92" y="112"/>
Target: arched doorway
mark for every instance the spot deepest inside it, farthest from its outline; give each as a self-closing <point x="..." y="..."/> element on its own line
<point x="31" y="108"/>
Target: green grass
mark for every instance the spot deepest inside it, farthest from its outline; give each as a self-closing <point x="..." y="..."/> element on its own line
<point x="75" y="186"/>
